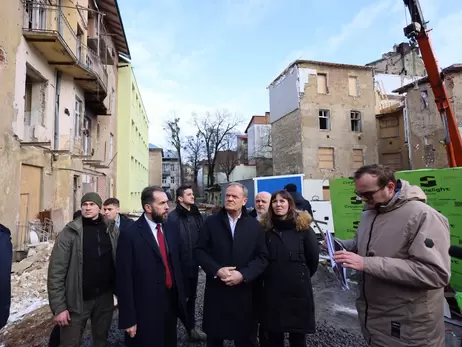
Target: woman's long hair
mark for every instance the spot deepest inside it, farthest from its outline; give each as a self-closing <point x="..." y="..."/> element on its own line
<point x="291" y="213"/>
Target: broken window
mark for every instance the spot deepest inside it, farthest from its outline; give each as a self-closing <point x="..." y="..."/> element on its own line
<point x="424" y="99"/>
<point x="353" y="85"/>
<point x="77" y="116"/>
<point x="355" y="119"/>
<point x="86" y="136"/>
<point x="324" y="119"/>
<point x="322" y="83"/>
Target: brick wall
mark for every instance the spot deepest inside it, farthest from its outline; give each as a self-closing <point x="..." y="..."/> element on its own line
<point x="425" y="124"/>
<point x="287" y="145"/>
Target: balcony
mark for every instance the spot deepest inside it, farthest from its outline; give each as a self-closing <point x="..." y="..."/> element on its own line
<point x="49" y="31"/>
<point x="99" y="40"/>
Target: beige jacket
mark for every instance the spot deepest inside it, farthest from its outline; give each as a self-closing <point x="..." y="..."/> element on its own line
<point x="406" y="267"/>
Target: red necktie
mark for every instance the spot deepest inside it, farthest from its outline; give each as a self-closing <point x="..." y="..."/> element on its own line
<point x="163" y="251"/>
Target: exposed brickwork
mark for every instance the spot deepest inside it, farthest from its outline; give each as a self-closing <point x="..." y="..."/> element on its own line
<point x="425" y="124"/>
<point x="287" y="144"/>
<point x="340" y="136"/>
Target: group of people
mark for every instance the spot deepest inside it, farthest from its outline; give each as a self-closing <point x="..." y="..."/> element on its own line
<point x="258" y="268"/>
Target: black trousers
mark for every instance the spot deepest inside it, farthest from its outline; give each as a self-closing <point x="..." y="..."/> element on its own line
<point x="191" y="284"/>
<point x="295" y="339"/>
<point x="170" y="319"/>
<point x="237" y="343"/>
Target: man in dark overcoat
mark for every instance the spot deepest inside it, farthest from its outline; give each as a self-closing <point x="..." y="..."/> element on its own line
<point x="150" y="287"/>
<point x="232" y="252"/>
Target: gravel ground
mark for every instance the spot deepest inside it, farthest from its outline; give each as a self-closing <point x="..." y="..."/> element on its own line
<point x="335" y="312"/>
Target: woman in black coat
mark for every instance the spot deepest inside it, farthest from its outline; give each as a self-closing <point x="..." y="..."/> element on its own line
<point x="288" y="305"/>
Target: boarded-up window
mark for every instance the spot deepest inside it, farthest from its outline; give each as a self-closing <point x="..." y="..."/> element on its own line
<point x="389" y="127"/>
<point x="358" y="158"/>
<point x="392" y="160"/>
<point x="326" y="157"/>
<point x="353" y="85"/>
<point x="322" y="83"/>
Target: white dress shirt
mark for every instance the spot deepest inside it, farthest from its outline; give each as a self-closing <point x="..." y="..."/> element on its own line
<point x="232" y="223"/>
<point x="153" y="226"/>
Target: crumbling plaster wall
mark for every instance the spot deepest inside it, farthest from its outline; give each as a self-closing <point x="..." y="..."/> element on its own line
<point x="425" y="124"/>
<point x="11" y="19"/>
<point x="287" y="144"/>
<point x="340" y="104"/>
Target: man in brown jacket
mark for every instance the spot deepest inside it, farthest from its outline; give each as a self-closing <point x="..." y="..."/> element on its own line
<point x="401" y="249"/>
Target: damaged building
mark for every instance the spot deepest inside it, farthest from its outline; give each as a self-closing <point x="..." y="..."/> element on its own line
<point x="426" y="131"/>
<point x="323" y="119"/>
<point x="61" y="103"/>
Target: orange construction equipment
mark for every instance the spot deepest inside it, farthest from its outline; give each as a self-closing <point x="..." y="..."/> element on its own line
<point x="417" y="32"/>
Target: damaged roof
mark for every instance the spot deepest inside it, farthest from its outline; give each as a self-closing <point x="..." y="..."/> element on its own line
<point x="454" y="68"/>
<point x="114" y="20"/>
<point x="322" y="63"/>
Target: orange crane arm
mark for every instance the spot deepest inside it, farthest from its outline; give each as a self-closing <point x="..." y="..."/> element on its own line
<point x="417" y="32"/>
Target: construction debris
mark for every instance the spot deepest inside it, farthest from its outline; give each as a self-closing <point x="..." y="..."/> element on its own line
<point x="29" y="281"/>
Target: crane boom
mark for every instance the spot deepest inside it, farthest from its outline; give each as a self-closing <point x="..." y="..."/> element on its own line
<point x="417" y="32"/>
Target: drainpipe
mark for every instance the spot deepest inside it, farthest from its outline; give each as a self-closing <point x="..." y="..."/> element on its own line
<point x="56" y="125"/>
<point x="407" y="137"/>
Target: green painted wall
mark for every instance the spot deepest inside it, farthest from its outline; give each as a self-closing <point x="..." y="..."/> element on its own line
<point x="132" y="141"/>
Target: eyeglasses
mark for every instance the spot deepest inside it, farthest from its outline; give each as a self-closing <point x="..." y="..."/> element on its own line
<point x="368" y="195"/>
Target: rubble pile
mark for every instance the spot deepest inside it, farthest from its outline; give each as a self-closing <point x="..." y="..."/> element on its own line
<point x="29" y="281"/>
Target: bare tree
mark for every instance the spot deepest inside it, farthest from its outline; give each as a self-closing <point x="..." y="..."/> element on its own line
<point x="195" y="151"/>
<point x="213" y="128"/>
<point x="228" y="157"/>
<point x="172" y="127"/>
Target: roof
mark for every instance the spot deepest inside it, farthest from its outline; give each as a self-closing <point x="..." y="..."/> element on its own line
<point x="454" y="68"/>
<point x="253" y="120"/>
<point x="169" y="154"/>
<point x="152" y="146"/>
<point x="114" y="20"/>
<point x="322" y="63"/>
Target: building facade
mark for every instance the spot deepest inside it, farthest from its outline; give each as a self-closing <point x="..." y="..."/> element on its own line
<point x="132" y="142"/>
<point x="155" y="165"/>
<point x="426" y="131"/>
<point x="64" y="98"/>
<point x="259" y="144"/>
<point x="322" y="119"/>
<point x="170" y="172"/>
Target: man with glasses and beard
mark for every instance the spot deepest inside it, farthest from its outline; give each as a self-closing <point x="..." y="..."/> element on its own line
<point x="149" y="278"/>
<point x="401" y="249"/>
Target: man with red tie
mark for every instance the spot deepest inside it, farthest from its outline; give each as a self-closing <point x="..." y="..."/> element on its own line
<point x="150" y="288"/>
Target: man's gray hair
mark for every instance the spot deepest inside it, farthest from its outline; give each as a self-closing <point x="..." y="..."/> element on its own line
<point x="240" y="185"/>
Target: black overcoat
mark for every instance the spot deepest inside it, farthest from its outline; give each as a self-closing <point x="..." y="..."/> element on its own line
<point x="287" y="303"/>
<point x="228" y="311"/>
<point x="141" y="276"/>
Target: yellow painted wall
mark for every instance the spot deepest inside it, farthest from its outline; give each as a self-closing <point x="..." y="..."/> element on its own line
<point x="132" y="141"/>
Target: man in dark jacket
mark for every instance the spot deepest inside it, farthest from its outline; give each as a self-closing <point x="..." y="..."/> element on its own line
<point x="6" y="258"/>
<point x="150" y="287"/>
<point x="83" y="257"/>
<point x="187" y="220"/>
<point x="111" y="209"/>
<point x="300" y="202"/>
<point x="232" y="252"/>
